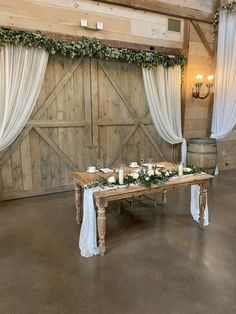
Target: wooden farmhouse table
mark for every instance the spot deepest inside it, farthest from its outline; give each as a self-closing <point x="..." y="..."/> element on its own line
<point x="103" y="197"/>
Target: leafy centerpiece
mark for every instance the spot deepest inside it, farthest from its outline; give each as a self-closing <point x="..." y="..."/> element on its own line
<point x="144" y="177"/>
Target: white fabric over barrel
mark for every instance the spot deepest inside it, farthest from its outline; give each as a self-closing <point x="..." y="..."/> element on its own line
<point x="224" y="109"/>
<point x="195" y="192"/>
<point x="21" y="76"/>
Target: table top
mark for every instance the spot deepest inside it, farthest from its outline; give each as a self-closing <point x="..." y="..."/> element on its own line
<point x="83" y="178"/>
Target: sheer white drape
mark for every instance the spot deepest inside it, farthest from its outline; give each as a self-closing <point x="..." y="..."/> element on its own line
<point x="224" y="109"/>
<point x="21" y="76"/>
<point x="163" y="91"/>
<point x="88" y="232"/>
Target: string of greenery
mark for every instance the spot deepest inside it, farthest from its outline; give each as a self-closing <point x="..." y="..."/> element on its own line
<point x="143" y="177"/>
<point x="89" y="47"/>
<point x="230" y="6"/>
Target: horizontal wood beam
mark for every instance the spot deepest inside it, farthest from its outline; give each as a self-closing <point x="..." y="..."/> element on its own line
<point x="120" y="123"/>
<point x="164" y="8"/>
<point x="123" y="44"/>
<point x="55" y="124"/>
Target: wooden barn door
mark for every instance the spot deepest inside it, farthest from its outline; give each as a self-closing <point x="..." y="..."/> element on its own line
<point x="87" y="109"/>
<point x="122" y="126"/>
<point x="50" y="146"/>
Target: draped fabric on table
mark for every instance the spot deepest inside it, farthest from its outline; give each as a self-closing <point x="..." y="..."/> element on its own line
<point x="88" y="233"/>
<point x="21" y="76"/>
<point x="163" y="91"/>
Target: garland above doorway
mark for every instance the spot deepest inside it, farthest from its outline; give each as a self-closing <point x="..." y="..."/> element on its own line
<point x="89" y="47"/>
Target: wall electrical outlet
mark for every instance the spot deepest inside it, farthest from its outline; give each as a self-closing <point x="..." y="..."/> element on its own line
<point x="84" y="23"/>
<point x="100" y="25"/>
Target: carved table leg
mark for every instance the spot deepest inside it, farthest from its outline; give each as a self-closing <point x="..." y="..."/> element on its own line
<point x="78" y="202"/>
<point x="101" y="223"/>
<point x="164" y="197"/>
<point x="202" y="202"/>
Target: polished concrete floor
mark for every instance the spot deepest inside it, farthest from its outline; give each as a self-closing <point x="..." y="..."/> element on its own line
<point x="157" y="261"/>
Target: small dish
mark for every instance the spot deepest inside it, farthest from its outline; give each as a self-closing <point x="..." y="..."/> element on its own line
<point x="134" y="166"/>
<point x="93" y="171"/>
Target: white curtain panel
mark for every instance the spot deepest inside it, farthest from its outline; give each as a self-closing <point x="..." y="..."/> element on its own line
<point x="163" y="91"/>
<point x="21" y="76"/>
<point x="224" y="109"/>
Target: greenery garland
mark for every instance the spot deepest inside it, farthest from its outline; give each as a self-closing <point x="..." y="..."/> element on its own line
<point x="230" y="6"/>
<point x="89" y="47"/>
<point x="143" y="177"/>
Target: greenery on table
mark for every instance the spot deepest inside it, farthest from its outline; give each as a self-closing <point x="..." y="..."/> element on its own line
<point x="144" y="177"/>
<point x="89" y="47"/>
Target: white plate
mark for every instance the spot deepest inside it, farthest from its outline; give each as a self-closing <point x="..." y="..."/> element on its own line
<point x="106" y="170"/>
<point x="92" y="171"/>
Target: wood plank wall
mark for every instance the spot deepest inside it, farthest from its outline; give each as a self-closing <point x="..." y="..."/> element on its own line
<point x="84" y="106"/>
<point x="121" y="25"/>
<point x="83" y="114"/>
<point x="198" y="112"/>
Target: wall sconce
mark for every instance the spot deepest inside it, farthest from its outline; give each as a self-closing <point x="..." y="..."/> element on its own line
<point x="196" y="91"/>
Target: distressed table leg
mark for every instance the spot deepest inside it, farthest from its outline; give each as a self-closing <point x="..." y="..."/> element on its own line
<point x="202" y="202"/>
<point x="78" y="202"/>
<point x="164" y="197"/>
<point x="101" y="223"/>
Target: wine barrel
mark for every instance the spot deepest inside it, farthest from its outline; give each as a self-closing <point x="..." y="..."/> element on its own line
<point x="202" y="152"/>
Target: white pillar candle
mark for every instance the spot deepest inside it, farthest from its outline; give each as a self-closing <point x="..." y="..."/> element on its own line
<point x="149" y="166"/>
<point x="121" y="176"/>
<point x="180" y="170"/>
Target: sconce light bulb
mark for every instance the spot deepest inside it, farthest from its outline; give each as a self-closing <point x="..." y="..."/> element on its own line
<point x="210" y="78"/>
<point x="199" y="77"/>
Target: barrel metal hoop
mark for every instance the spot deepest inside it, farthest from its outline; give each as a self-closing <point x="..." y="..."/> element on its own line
<point x="202" y="141"/>
<point x="203" y="153"/>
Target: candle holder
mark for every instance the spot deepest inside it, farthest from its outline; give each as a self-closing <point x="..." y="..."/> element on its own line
<point x="196" y="91"/>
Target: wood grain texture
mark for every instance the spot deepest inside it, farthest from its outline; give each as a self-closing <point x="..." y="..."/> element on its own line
<point x="86" y="110"/>
<point x="165" y="8"/>
<point x="196" y="119"/>
<point x="122" y="26"/>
